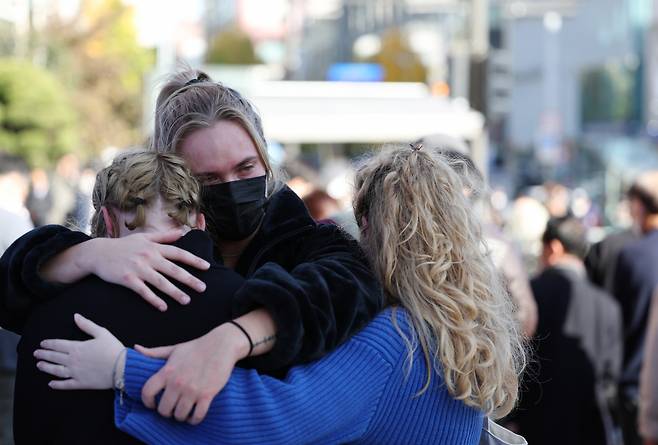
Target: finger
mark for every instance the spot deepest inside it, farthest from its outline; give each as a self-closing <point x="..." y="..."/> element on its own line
<point x="152" y="388"/>
<point x="168" y="402"/>
<point x="165" y="237"/>
<point x="159" y="352"/>
<point x="56" y="370"/>
<point x="65" y="384"/>
<point x="58" y="358"/>
<point x="165" y="286"/>
<point x="88" y="326"/>
<point x="65" y="346"/>
<point x="183" y="409"/>
<point x="178" y="273"/>
<point x="200" y="411"/>
<point x="174" y="253"/>
<point x="147" y="294"/>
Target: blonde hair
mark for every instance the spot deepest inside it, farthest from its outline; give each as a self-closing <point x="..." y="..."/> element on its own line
<point x="426" y="247"/>
<point x="191" y="100"/>
<point x="135" y="180"/>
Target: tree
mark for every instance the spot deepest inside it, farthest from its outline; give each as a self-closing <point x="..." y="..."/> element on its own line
<point x="231" y="47"/>
<point x="400" y="63"/>
<point x="37" y="120"/>
<point x="97" y="57"/>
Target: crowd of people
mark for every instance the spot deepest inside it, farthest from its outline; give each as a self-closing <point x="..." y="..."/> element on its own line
<point x="268" y="311"/>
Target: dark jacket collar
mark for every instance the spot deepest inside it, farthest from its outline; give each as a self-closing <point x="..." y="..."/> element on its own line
<point x="198" y="243"/>
<point x="285" y="210"/>
<point x="285" y="214"/>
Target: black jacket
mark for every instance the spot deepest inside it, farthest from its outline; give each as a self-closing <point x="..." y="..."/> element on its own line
<point x="601" y="260"/>
<point x="313" y="278"/>
<point x="43" y="415"/>
<point x="578" y="347"/>
<point x="636" y="279"/>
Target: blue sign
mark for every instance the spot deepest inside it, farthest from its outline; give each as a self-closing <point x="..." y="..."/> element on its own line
<point x="355" y="72"/>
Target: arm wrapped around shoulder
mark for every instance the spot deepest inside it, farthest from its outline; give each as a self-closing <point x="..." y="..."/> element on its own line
<point x="21" y="286"/>
<point x="328" y="295"/>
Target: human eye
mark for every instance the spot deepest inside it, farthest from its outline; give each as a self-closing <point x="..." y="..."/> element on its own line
<point x="207" y="179"/>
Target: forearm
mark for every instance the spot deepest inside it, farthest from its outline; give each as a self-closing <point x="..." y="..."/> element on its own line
<point x="261" y="329"/>
<point x="326" y="399"/>
<point x="315" y="307"/>
<point x="70" y="266"/>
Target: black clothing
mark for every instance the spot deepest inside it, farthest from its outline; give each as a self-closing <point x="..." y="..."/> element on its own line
<point x="578" y="356"/>
<point x="44" y="415"/>
<point x="635" y="281"/>
<point x="601" y="260"/>
<point x="313" y="279"/>
<point x="636" y="278"/>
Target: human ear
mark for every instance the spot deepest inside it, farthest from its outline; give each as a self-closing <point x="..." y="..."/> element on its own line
<point x="200" y="221"/>
<point x="109" y="223"/>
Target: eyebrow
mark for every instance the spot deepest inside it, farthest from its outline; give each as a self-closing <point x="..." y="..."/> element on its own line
<point x="246" y="161"/>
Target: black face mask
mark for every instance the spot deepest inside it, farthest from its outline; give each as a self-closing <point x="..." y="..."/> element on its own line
<point x="235" y="209"/>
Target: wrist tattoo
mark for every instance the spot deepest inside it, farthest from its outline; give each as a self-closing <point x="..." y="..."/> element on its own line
<point x="265" y="340"/>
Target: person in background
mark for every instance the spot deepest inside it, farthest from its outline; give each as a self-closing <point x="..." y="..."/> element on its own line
<point x="636" y="278"/>
<point x="444" y="353"/>
<point x="648" y="401"/>
<point x="14" y="222"/>
<point x="39" y="200"/>
<point x="601" y="259"/>
<point x="578" y="346"/>
<point x="321" y="205"/>
<point x="63" y="190"/>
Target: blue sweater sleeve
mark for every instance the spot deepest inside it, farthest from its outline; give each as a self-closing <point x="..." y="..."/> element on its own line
<point x="330" y="401"/>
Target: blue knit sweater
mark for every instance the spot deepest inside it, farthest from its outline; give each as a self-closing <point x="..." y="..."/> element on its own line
<point x="360" y="393"/>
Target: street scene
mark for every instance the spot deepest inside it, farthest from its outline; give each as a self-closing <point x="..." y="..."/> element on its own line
<point x="329" y="221"/>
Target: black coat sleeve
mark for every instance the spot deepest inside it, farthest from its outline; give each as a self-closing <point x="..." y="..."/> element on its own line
<point x="21" y="285"/>
<point x="329" y="295"/>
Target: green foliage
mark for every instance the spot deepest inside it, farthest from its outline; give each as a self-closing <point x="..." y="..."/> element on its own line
<point x="97" y="55"/>
<point x="231" y="47"/>
<point x="36" y="117"/>
<point x="608" y="94"/>
<point x="400" y="63"/>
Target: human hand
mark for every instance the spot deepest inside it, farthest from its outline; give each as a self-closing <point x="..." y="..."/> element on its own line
<point x="194" y="374"/>
<point x="135" y="260"/>
<point x="84" y="364"/>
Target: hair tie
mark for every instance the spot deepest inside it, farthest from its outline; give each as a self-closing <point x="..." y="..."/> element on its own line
<point x="193" y="81"/>
<point x="198" y="79"/>
<point x="416" y="147"/>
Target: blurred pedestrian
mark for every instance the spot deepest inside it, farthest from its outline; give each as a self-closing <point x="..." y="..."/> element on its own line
<point x="526" y="223"/>
<point x="578" y="346"/>
<point x="648" y="403"/>
<point x="14" y="222"/>
<point x="63" y="188"/>
<point x="325" y="209"/>
<point x="636" y="278"/>
<point x="601" y="260"/>
<point x="39" y="200"/>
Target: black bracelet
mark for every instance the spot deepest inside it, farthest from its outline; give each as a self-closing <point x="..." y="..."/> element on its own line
<point x="244" y="331"/>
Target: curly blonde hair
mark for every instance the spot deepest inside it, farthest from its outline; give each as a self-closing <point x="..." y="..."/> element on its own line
<point x="427" y="249"/>
<point x="135" y="180"/>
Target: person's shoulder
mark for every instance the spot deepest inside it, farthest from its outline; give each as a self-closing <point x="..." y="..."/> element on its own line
<point x="636" y="250"/>
<point x="386" y="333"/>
